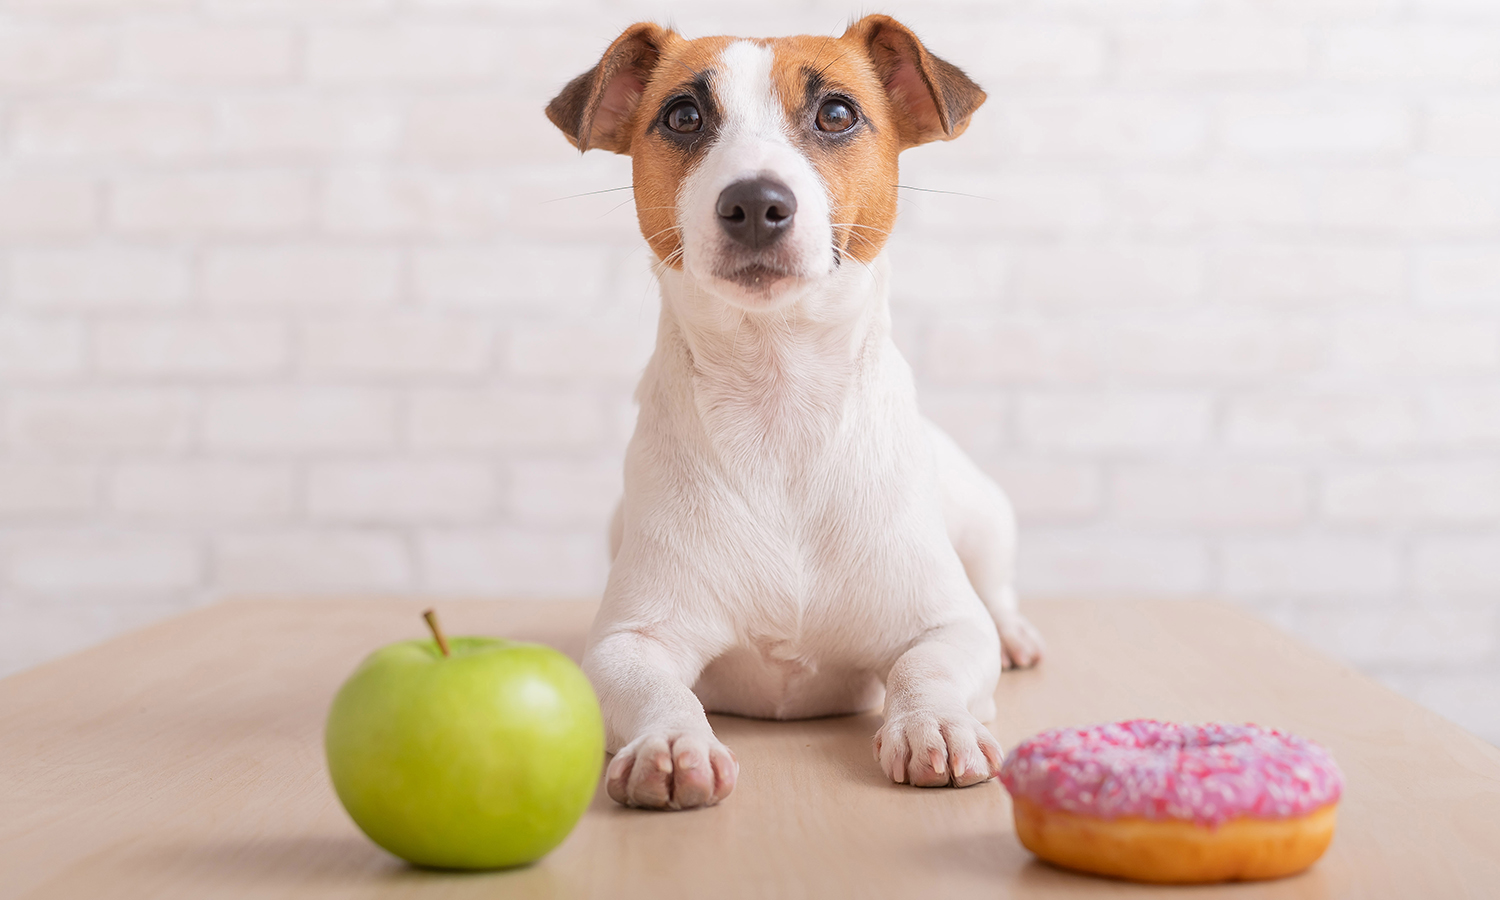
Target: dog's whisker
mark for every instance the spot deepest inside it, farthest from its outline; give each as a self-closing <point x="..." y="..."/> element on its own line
<point x="907" y="187"/>
<point x="589" y="194"/>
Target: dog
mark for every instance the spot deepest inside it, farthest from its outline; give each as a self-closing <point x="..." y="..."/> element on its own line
<point x="794" y="539"/>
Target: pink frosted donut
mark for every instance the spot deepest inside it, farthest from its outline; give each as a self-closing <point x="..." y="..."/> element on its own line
<point x="1157" y="801"/>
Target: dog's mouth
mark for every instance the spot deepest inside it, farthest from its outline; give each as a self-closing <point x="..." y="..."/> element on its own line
<point x="758" y="276"/>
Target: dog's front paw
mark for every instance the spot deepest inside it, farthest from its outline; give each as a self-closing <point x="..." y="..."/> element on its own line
<point x="1021" y="644"/>
<point x="672" y="771"/>
<point x="933" y="750"/>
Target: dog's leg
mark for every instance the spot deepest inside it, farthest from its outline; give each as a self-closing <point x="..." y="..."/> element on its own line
<point x="936" y="694"/>
<point x="982" y="526"/>
<point x="666" y="755"/>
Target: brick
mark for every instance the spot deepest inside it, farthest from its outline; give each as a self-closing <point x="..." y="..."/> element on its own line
<point x="1223" y="347"/>
<point x="411" y="345"/>
<point x="1383" y="202"/>
<point x="1458" y="275"/>
<point x="1458" y="565"/>
<point x="1412" y="53"/>
<point x="1331" y="126"/>
<point x="1014" y="350"/>
<point x="578" y="350"/>
<point x="538" y="53"/>
<point x="558" y="492"/>
<point x="1449" y="492"/>
<point x="297" y="125"/>
<point x="1315" y="421"/>
<point x="1033" y="204"/>
<point x="1477" y="11"/>
<point x="1236" y="200"/>
<point x="111" y="128"/>
<point x="621" y="413"/>
<point x="192" y="54"/>
<point x="469" y="419"/>
<point x="57" y="624"/>
<point x="1375" y="637"/>
<point x="203" y="491"/>
<point x="221" y="202"/>
<point x="33" y="490"/>
<point x="298" y="10"/>
<point x="376" y="201"/>
<point x="513" y="563"/>
<point x="1192" y="52"/>
<point x="1463" y="127"/>
<point x="292" y="420"/>
<point x="100" y="276"/>
<point x="53" y="7"/>
<point x="78" y="561"/>
<point x="1324" y="11"/>
<point x="1116" y="126"/>
<point x="1060" y="563"/>
<point x="183" y="347"/>
<point x="1115" y="421"/>
<point x="301" y="276"/>
<point x="511" y="275"/>
<point x="977" y="420"/>
<point x="1286" y="275"/>
<point x="39" y="348"/>
<point x="944" y="275"/>
<point x="1109" y="276"/>
<point x="1470" y="700"/>
<point x="479" y="128"/>
<point x="1046" y="490"/>
<point x="400" y="491"/>
<point x="311" y="562"/>
<point x="413" y="53"/>
<point x="100" y="420"/>
<point x="631" y="289"/>
<point x="574" y="199"/>
<point x="1025" y="50"/>
<point x="48" y="56"/>
<point x="1465" y="417"/>
<point x="1211" y="495"/>
<point x="1314" y="566"/>
<point x="1406" y="346"/>
<point x="43" y="206"/>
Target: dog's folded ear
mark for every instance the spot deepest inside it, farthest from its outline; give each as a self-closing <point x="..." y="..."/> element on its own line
<point x="596" y="109"/>
<point x="933" y="99"/>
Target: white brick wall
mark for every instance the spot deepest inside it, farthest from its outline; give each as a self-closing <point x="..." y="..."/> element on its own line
<point x="300" y="298"/>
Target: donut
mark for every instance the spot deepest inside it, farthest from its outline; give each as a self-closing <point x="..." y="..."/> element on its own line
<point x="1166" y="803"/>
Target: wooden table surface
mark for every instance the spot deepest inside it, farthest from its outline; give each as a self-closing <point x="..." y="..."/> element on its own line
<point x="186" y="761"/>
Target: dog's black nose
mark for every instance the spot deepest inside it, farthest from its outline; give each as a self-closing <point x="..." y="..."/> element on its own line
<point x="756" y="212"/>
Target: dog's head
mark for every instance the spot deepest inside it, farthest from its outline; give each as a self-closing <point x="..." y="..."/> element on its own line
<point x="761" y="166"/>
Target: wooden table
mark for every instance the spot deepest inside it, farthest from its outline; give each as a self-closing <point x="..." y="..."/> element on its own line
<point x="186" y="761"/>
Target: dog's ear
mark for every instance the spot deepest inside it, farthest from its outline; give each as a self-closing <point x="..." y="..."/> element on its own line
<point x="933" y="99"/>
<point x="597" y="107"/>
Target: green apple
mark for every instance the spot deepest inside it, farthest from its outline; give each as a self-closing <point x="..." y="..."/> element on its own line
<point x="478" y="753"/>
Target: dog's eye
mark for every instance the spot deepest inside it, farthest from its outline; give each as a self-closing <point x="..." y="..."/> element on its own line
<point x="683" y="117"/>
<point x="835" y="116"/>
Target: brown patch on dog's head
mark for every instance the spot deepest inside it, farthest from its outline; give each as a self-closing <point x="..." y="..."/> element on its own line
<point x="931" y="98"/>
<point x="877" y="76"/>
<point x="901" y="96"/>
<point x="597" y="107"/>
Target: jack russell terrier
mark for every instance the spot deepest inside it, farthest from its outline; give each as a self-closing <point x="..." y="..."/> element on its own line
<point x="795" y="539"/>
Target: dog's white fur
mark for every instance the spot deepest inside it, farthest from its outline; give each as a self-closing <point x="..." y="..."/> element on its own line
<point x="794" y="539"/>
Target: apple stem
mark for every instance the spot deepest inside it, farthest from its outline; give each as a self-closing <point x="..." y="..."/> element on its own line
<point x="437" y="630"/>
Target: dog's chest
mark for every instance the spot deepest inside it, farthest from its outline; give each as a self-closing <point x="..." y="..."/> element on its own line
<point x="771" y="412"/>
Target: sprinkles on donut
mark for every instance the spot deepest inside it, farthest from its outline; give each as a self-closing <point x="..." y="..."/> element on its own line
<point x="1164" y="802"/>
